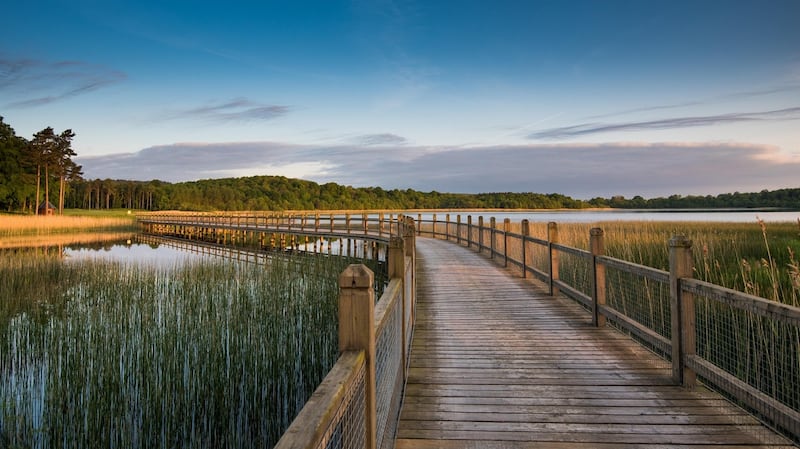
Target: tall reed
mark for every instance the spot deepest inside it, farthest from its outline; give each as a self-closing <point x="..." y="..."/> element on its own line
<point x="15" y="225"/>
<point x="123" y="355"/>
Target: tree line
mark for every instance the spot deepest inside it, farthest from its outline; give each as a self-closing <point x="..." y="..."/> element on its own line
<point x="35" y="168"/>
<point x="764" y="199"/>
<point x="280" y="193"/>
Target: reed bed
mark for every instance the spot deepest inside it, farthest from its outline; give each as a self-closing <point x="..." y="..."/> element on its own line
<point x="122" y="355"/>
<point x="756" y="258"/>
<point x="16" y="225"/>
<point x="25" y="242"/>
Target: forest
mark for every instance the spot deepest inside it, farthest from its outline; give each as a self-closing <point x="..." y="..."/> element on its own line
<point x="41" y="170"/>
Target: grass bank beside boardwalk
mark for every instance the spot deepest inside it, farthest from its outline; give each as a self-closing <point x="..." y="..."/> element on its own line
<point x="73" y="221"/>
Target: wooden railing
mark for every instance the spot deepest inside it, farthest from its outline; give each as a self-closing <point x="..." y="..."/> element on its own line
<point x="745" y="347"/>
<point x="357" y="405"/>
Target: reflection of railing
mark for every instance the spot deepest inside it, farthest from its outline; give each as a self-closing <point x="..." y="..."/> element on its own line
<point x="358" y="402"/>
<point x="202" y="249"/>
<point x="746" y="347"/>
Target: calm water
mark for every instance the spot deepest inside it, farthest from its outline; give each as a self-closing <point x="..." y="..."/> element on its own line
<point x="163" y="255"/>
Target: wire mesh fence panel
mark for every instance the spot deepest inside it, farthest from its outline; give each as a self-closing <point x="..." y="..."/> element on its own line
<point x="641" y="299"/>
<point x="388" y="372"/>
<point x="537" y="257"/>
<point x="347" y="429"/>
<point x="762" y="352"/>
<point x="575" y="269"/>
<point x="514" y="250"/>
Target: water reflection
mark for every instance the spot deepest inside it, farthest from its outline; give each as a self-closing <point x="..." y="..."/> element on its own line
<point x="134" y="248"/>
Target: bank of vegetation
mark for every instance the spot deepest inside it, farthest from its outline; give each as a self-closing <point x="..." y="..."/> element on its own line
<point x="210" y="353"/>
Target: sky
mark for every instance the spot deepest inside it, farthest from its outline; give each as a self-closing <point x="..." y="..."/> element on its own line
<point x="584" y="98"/>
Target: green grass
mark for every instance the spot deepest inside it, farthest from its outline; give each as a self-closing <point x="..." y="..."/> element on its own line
<point x="210" y="354"/>
<point x="109" y="213"/>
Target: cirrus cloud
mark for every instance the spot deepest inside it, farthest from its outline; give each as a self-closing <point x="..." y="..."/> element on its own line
<point x="31" y="83"/>
<point x="583" y="129"/>
<point x="235" y="110"/>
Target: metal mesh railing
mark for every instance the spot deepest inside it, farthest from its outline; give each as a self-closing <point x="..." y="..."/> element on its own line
<point x="347" y="427"/>
<point x="749" y="350"/>
<point x="639" y="301"/>
<point x="336" y="419"/>
<point x="408" y="285"/>
<point x="388" y="371"/>
<point x="575" y="274"/>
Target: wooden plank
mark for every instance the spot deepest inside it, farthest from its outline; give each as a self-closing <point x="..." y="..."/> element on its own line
<point x="496" y="363"/>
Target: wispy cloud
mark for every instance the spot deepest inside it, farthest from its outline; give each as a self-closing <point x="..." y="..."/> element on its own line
<point x="380" y="139"/>
<point x="579" y="170"/>
<point x="35" y="83"/>
<point x="669" y="123"/>
<point x="730" y="96"/>
<point x="235" y="110"/>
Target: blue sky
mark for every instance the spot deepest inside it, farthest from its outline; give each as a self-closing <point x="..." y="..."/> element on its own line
<point x="585" y="98"/>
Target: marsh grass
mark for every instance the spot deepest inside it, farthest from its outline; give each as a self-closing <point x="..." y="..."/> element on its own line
<point x="121" y="355"/>
<point x="26" y="242"/>
<point x="26" y="225"/>
<point x="755" y="258"/>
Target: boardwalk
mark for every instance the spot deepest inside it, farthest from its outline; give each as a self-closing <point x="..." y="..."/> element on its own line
<point x="496" y="363"/>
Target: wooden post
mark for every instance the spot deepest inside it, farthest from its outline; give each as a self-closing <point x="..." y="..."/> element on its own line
<point x="526" y="231"/>
<point x="469" y="231"/>
<point x="411" y="251"/>
<point x="552" y="237"/>
<point x="506" y="230"/>
<point x="419" y="224"/>
<point x="458" y="228"/>
<point x="480" y="234"/>
<point x="357" y="332"/>
<point x="681" y="265"/>
<point x="597" y="247"/>
<point x="434" y="225"/>
<point x="492" y="226"/>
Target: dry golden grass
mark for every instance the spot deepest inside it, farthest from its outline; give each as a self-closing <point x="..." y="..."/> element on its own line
<point x="49" y="240"/>
<point x="14" y="225"/>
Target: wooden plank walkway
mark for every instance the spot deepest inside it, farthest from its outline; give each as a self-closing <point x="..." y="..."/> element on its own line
<point x="496" y="363"/>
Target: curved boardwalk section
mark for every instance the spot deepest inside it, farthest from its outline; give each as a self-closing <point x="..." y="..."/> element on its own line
<point x="496" y="363"/>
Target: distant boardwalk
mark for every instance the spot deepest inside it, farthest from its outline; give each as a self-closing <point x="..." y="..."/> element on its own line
<point x="496" y="363"/>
